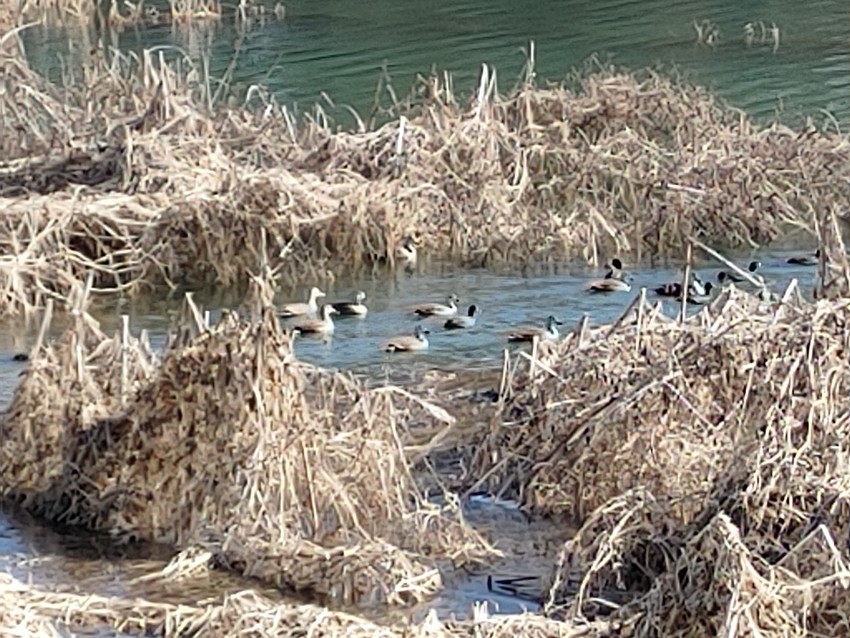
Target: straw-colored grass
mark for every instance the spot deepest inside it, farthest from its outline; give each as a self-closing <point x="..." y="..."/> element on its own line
<point x="290" y="474"/>
<point x="250" y="614"/>
<point x="137" y="172"/>
<point x="705" y="461"/>
<point x="112" y="16"/>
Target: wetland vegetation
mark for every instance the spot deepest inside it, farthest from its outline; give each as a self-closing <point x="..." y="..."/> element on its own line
<point x="691" y="467"/>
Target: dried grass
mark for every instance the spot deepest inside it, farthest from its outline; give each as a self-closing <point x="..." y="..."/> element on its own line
<point x="249" y="614"/>
<point x="143" y="172"/>
<point x="705" y="460"/>
<point x="287" y="473"/>
<point x="111" y="17"/>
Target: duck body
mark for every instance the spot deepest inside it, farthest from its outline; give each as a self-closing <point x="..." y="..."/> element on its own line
<point x="700" y="296"/>
<point x="301" y="309"/>
<point x="528" y="333"/>
<point x="407" y="253"/>
<point x="449" y="309"/>
<point x="406" y="343"/>
<point x="352" y="308"/>
<point x="610" y="284"/>
<point x="729" y="275"/>
<point x="322" y="326"/>
<point x="615" y="280"/>
<point x="805" y="260"/>
<point x="672" y="289"/>
<point x="457" y="323"/>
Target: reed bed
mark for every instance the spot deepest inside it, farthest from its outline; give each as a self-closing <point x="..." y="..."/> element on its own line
<point x="248" y="613"/>
<point x="704" y="460"/>
<point x="143" y="171"/>
<point x="110" y="15"/>
<point x="287" y="473"/>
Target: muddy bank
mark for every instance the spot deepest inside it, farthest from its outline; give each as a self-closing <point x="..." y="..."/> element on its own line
<point x="147" y="177"/>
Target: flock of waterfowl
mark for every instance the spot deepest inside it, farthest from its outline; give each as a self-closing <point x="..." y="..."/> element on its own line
<point x="309" y="318"/>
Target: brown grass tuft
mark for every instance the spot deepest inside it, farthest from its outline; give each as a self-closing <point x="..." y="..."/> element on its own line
<point x="248" y="613"/>
<point x="703" y="459"/>
<point x="288" y="473"/>
<point x="136" y="171"/>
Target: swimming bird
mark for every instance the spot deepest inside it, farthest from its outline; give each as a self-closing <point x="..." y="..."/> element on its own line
<point x="407" y="253"/>
<point x="615" y="269"/>
<point x="449" y="309"/>
<point x="407" y="343"/>
<point x="805" y="260"/>
<point x="697" y="285"/>
<point x="729" y="275"/>
<point x="299" y="309"/>
<point x="699" y="297"/>
<point x="623" y="283"/>
<point x="356" y="307"/>
<point x="323" y="326"/>
<point x="462" y="322"/>
<point x="527" y="333"/>
<point x="672" y="289"/>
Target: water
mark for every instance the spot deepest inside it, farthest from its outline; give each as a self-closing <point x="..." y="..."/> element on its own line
<point x="339" y="48"/>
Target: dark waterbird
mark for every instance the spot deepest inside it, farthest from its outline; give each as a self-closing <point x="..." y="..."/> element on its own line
<point x="456" y="323"/>
<point x="805" y="260"/>
<point x="729" y="275"/>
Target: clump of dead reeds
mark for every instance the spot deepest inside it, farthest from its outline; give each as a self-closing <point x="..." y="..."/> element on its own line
<point x="249" y="613"/>
<point x="112" y="16"/>
<point x="288" y="473"/>
<point x="140" y="174"/>
<point x="703" y="459"/>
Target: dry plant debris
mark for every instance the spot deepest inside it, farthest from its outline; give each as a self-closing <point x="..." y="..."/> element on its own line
<point x="246" y="613"/>
<point x="288" y="473"/>
<point x="705" y="460"/>
<point x="134" y="171"/>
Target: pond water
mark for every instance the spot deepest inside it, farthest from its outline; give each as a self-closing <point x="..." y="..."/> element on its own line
<point x="505" y="302"/>
<point x="339" y="48"/>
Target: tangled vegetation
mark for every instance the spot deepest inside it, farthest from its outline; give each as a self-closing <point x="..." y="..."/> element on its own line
<point x="702" y="459"/>
<point x="139" y="174"/>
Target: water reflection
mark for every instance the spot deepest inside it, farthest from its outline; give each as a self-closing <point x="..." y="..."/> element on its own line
<point x="339" y="48"/>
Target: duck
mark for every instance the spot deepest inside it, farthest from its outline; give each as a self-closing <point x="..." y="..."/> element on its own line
<point x="407" y="254"/>
<point x="528" y="333"/>
<point x="449" y="309"/>
<point x="623" y="283"/>
<point x="406" y="343"/>
<point x="671" y="289"/>
<point x="615" y="269"/>
<point x="322" y="326"/>
<point x="697" y="285"/>
<point x="468" y="321"/>
<point x="700" y="297"/>
<point x="805" y="260"/>
<point x="352" y="308"/>
<point x="674" y="288"/>
<point x="729" y="275"/>
<point x="299" y="309"/>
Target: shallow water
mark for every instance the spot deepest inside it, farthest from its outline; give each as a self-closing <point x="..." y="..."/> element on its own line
<point x="60" y="559"/>
<point x="339" y="48"/>
<point x="506" y="302"/>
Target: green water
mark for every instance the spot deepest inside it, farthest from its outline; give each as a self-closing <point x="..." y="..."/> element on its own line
<point x="340" y="47"/>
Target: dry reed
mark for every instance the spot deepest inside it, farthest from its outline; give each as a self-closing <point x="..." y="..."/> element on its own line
<point x="248" y="613"/>
<point x="141" y="173"/>
<point x="704" y="459"/>
<point x="286" y="473"/>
